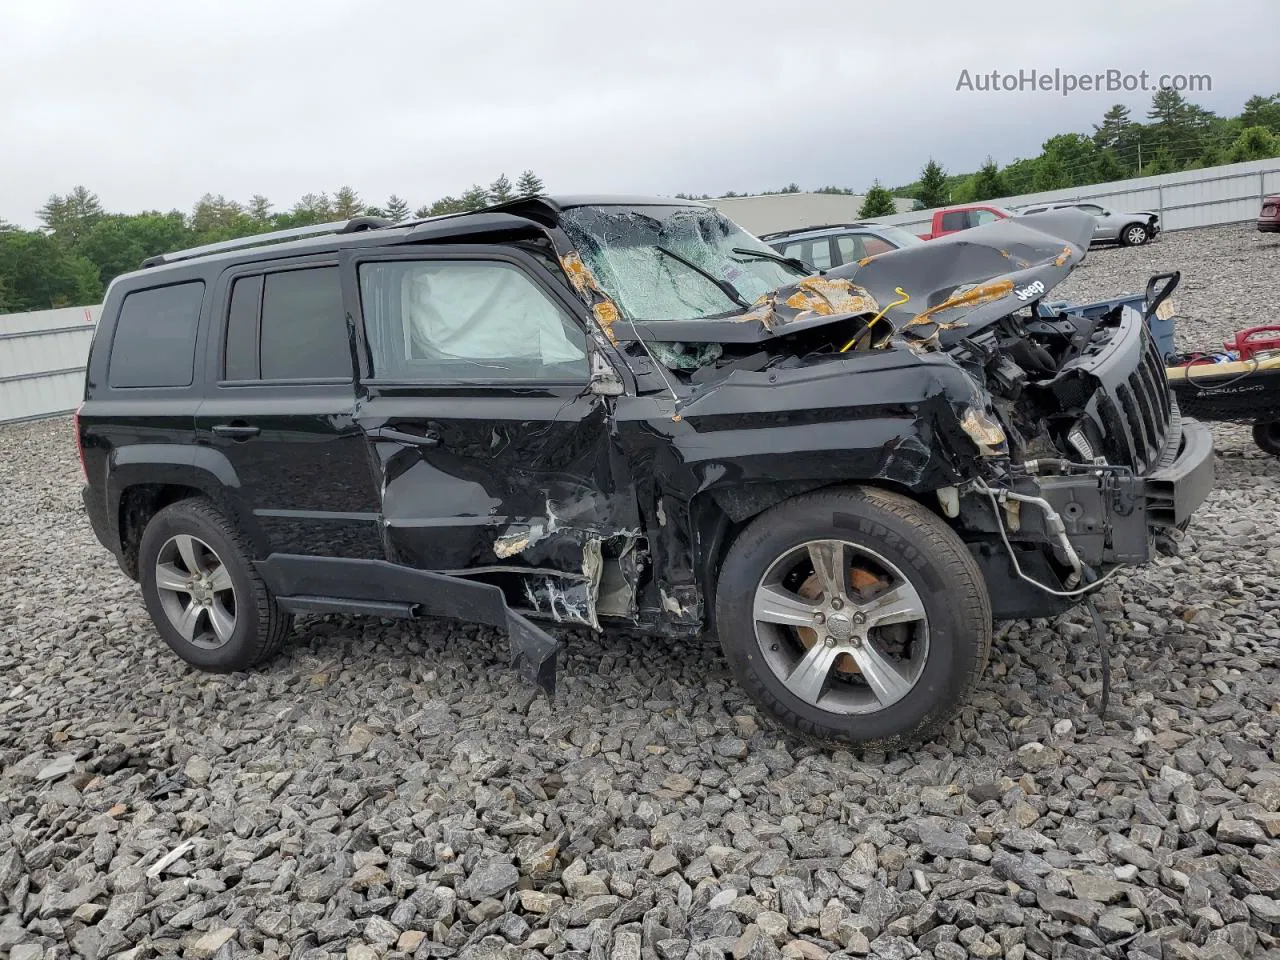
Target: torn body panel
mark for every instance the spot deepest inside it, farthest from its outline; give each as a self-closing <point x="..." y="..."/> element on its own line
<point x="754" y="438"/>
<point x="500" y="485"/>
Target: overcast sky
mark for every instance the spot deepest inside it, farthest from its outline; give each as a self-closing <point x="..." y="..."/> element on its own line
<point x="153" y="104"/>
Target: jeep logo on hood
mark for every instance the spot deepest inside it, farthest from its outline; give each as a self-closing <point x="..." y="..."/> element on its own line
<point x="1033" y="289"/>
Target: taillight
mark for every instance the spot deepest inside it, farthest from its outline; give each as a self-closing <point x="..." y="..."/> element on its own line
<point x="75" y="426"/>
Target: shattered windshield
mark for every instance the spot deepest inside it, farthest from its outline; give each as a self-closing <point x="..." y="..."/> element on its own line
<point x="673" y="263"/>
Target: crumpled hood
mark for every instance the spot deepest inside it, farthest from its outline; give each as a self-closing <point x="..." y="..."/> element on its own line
<point x="953" y="285"/>
<point x="810" y="302"/>
<point x="965" y="280"/>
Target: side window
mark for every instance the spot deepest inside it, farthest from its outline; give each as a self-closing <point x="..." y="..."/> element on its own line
<point x="983" y="216"/>
<point x="874" y="245"/>
<point x="303" y="326"/>
<point x="1034" y="210"/>
<point x="819" y="253"/>
<point x="955" y="220"/>
<point x="471" y="319"/>
<point x="850" y="247"/>
<point x="797" y="250"/>
<point x="241" y="356"/>
<point x="1089" y="208"/>
<point x="154" y="344"/>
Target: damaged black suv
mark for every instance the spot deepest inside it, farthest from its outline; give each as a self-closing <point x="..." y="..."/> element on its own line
<point x="630" y="411"/>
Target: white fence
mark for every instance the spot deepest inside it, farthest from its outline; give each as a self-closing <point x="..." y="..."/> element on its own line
<point x="1191" y="198"/>
<point x="42" y="360"/>
<point x="768" y="212"/>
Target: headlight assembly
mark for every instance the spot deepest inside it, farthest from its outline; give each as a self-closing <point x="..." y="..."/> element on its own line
<point x="986" y="432"/>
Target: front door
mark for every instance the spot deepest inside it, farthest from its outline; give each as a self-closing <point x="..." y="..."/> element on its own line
<point x="494" y="459"/>
<point x="280" y="412"/>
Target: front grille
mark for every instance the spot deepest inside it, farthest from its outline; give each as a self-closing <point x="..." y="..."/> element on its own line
<point x="1138" y="413"/>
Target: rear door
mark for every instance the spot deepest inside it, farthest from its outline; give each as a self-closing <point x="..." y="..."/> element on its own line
<point x="281" y="407"/>
<point x="491" y="453"/>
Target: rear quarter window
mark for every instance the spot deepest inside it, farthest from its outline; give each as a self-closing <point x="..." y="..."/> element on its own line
<point x="154" y="344"/>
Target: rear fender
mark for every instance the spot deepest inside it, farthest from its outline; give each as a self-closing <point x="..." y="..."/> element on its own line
<point x="202" y="469"/>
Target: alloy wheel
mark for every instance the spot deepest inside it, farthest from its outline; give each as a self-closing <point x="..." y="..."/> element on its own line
<point x="841" y="627"/>
<point x="196" y="592"/>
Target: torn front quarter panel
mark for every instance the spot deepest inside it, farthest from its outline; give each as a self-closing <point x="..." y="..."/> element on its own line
<point x="753" y="438"/>
<point x="890" y="414"/>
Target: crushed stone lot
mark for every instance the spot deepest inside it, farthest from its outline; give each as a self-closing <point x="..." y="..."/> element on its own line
<point x="390" y="789"/>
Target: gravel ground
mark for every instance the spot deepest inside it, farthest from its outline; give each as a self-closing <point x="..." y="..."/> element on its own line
<point x="389" y="789"/>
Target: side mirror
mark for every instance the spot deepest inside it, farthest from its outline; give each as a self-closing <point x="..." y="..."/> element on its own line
<point x="604" y="381"/>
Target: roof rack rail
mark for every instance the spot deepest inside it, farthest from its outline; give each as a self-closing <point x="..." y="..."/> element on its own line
<point x="353" y="225"/>
<point x="817" y="226"/>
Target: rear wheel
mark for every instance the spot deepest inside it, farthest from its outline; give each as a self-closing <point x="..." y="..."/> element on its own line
<point x="202" y="591"/>
<point x="854" y="616"/>
<point x="1135" y="235"/>
<point x="1267" y="436"/>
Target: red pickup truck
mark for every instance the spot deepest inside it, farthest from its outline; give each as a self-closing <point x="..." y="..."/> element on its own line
<point x="954" y="219"/>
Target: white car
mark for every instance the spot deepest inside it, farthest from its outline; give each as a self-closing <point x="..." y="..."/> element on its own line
<point x="1126" y="229"/>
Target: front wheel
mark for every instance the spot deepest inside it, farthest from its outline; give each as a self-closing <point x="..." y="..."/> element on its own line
<point x="1135" y="235"/>
<point x="1267" y="436"/>
<point x="855" y="616"/>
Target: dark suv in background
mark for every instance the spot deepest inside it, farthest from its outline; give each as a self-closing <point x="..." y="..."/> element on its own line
<point x="629" y="410"/>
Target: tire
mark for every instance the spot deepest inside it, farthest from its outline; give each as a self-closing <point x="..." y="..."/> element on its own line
<point x="1134" y="235"/>
<point x="195" y="531"/>
<point x="912" y="558"/>
<point x="1267" y="436"/>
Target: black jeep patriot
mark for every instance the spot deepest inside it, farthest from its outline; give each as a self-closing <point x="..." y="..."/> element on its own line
<point x="629" y="410"/>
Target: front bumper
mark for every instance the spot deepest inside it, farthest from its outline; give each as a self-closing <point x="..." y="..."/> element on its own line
<point x="1114" y="518"/>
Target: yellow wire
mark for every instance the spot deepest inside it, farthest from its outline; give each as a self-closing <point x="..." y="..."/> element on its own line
<point x="897" y="303"/>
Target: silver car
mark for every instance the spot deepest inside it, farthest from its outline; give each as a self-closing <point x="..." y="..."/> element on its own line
<point x="835" y="244"/>
<point x="1113" y="226"/>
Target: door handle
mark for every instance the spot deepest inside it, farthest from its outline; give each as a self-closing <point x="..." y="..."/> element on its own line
<point x="399" y="436"/>
<point x="237" y="431"/>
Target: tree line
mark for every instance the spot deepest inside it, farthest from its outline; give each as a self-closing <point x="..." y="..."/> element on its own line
<point x="1177" y="135"/>
<point x="80" y="247"/>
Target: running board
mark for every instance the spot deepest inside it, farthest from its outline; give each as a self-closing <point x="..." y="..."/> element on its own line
<point x="377" y="586"/>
